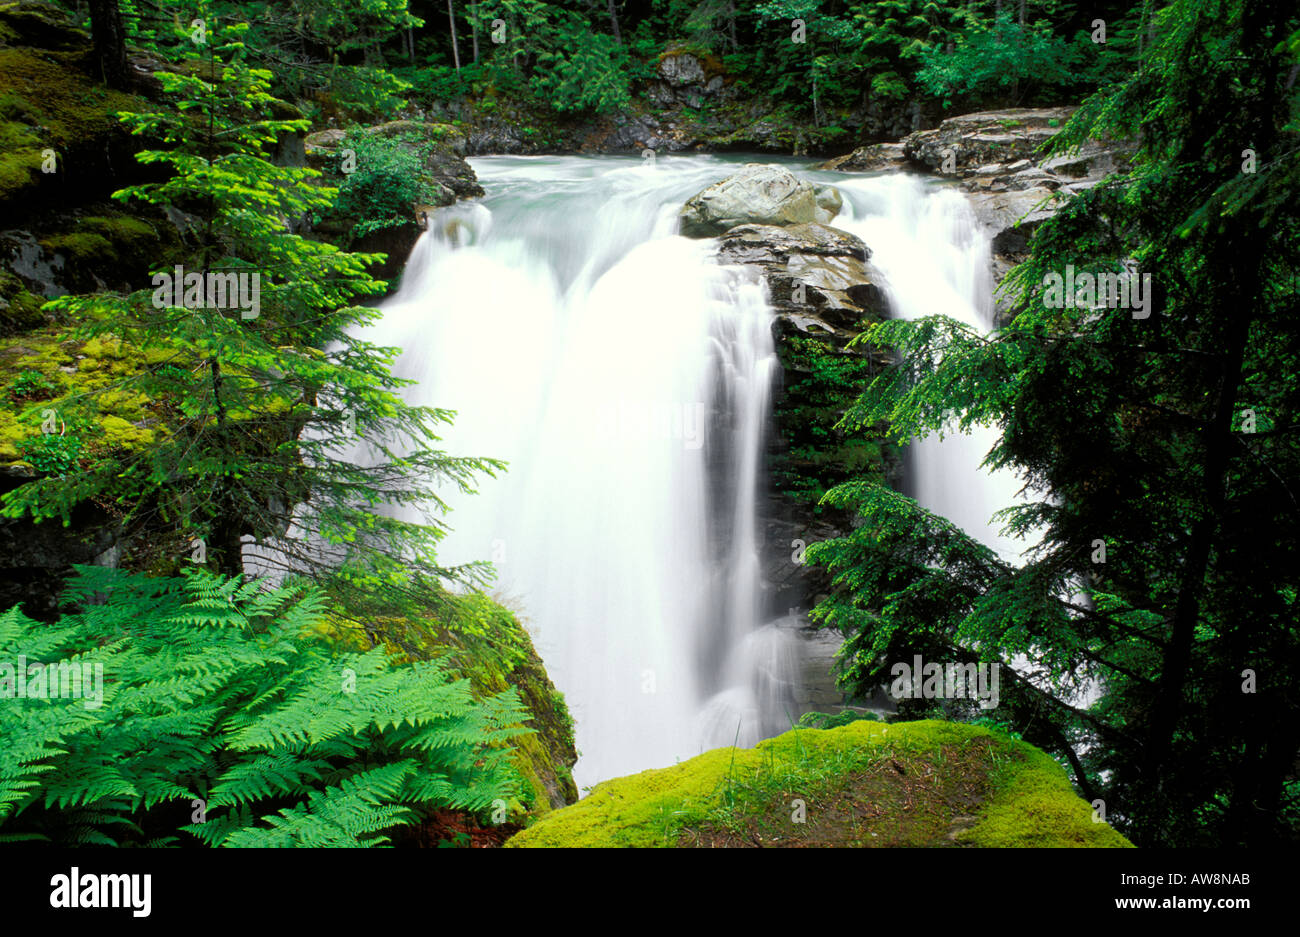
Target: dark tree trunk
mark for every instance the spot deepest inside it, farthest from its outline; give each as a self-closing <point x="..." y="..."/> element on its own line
<point x="473" y="9"/>
<point x="109" y="37"/>
<point x="613" y="21"/>
<point x="455" y="48"/>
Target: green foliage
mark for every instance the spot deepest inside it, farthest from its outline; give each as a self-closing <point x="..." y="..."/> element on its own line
<point x="1006" y="59"/>
<point x="834" y="720"/>
<point x="31" y="385"/>
<point x="584" y="72"/>
<point x="389" y="179"/>
<point x="51" y="453"/>
<point x="214" y="693"/>
<point x="337" y="33"/>
<point x="365" y="92"/>
<point x="262" y="415"/>
<point x="569" y="66"/>
<point x="1128" y="432"/>
<point x="821" y="382"/>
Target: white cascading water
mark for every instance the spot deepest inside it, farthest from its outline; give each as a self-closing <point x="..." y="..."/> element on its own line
<point x="926" y="242"/>
<point x="626" y="378"/>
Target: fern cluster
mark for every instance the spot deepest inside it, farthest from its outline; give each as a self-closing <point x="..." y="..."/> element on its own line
<point x="227" y="720"/>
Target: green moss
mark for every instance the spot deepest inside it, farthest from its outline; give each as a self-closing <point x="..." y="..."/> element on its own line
<point x="110" y="248"/>
<point x="47" y="101"/>
<point x="82" y="247"/>
<point x="925" y="783"/>
<point x="17" y="169"/>
<point x="85" y="395"/>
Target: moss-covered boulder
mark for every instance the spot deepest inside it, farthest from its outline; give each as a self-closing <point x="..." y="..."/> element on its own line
<point x="867" y="783"/>
<point x="489" y="646"/>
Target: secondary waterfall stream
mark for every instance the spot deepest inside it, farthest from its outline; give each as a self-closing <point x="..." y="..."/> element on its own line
<point x="626" y="377"/>
<point x="925" y="240"/>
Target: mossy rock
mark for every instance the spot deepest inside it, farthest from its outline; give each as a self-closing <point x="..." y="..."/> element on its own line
<point x="487" y="644"/>
<point x="110" y="251"/>
<point x="82" y="376"/>
<point x="48" y="102"/>
<point x="20" y="309"/>
<point x="928" y="783"/>
<point x="39" y="23"/>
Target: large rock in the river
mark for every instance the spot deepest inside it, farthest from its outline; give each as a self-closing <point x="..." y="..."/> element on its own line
<point x="758" y="194"/>
<point x="824" y="292"/>
<point x="818" y="277"/>
<point x="878" y="157"/>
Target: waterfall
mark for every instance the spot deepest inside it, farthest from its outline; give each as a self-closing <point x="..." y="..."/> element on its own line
<point x="625" y="376"/>
<point x="928" y="246"/>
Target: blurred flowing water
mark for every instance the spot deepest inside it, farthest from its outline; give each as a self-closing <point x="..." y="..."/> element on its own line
<point x="925" y="240"/>
<point x="627" y="377"/>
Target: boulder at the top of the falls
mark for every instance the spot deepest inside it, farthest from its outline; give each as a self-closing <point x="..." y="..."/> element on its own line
<point x="758" y="194"/>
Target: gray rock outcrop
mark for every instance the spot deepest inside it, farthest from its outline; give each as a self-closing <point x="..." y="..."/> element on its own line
<point x="757" y="194"/>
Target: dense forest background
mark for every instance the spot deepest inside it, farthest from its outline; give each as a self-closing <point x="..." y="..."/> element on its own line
<point x="820" y="69"/>
<point x="374" y="692"/>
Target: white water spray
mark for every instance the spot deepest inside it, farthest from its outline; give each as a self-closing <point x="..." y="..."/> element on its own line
<point x="926" y="242"/>
<point x="625" y="377"/>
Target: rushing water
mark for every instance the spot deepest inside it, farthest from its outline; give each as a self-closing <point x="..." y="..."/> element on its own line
<point x="626" y="378"/>
<point x="926" y="242"/>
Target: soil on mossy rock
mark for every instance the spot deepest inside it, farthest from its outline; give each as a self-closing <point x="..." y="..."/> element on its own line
<point x="899" y="801"/>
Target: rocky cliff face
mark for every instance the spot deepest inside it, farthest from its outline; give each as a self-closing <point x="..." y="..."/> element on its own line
<point x="993" y="155"/>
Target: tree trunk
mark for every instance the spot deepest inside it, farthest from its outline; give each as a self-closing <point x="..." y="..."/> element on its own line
<point x="473" y="28"/>
<point x="455" y="49"/>
<point x="613" y="20"/>
<point x="109" y="37"/>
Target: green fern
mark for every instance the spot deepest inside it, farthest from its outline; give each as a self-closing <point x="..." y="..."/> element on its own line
<point x="227" y="718"/>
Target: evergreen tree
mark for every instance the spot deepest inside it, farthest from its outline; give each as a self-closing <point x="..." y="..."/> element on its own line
<point x="275" y="423"/>
<point x="1164" y="450"/>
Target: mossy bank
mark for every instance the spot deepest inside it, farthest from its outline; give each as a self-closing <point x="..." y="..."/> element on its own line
<point x="867" y="783"/>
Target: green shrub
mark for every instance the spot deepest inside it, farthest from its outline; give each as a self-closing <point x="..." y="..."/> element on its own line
<point x="389" y="180"/>
<point x="52" y="453"/>
<point x="31" y="385"/>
